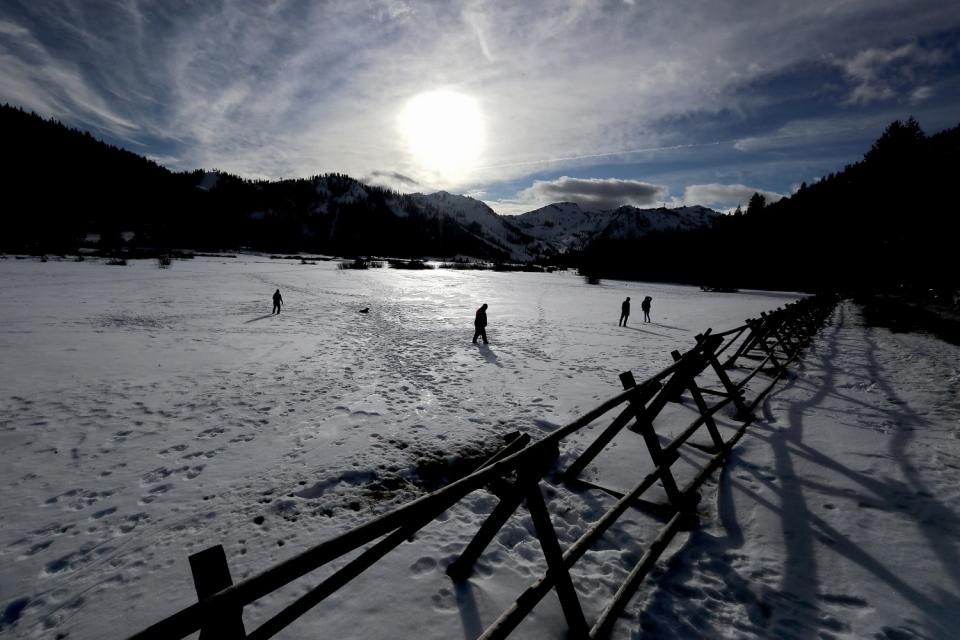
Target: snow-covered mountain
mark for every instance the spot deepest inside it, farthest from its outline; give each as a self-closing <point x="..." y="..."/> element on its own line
<point x="562" y="226"/>
<point x="631" y="222"/>
<point x="567" y="226"/>
<point x="483" y="222"/>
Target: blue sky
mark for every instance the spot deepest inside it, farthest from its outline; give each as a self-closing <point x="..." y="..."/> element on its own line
<point x="516" y="103"/>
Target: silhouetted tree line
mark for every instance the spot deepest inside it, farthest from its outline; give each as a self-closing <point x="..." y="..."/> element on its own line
<point x="881" y="223"/>
<point x="60" y="184"/>
<point x="887" y="222"/>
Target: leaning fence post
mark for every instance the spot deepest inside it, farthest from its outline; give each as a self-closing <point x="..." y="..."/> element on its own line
<point x="460" y="568"/>
<point x="735" y="393"/>
<point x="798" y="323"/>
<point x="643" y="395"/>
<point x="550" y="545"/>
<point x="210" y="575"/>
<point x="745" y="346"/>
<point x="703" y="408"/>
<point x="762" y="341"/>
<point x="510" y="500"/>
<point x="644" y="426"/>
<point x="776" y="320"/>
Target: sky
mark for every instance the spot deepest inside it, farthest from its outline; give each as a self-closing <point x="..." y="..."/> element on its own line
<point x="518" y="104"/>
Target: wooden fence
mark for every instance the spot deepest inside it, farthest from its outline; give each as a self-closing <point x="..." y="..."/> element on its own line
<point x="768" y="343"/>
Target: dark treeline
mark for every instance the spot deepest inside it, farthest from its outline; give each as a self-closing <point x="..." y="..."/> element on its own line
<point x="61" y="184"/>
<point x="886" y="222"/>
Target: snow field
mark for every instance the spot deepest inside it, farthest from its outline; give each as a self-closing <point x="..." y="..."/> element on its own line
<point x="149" y="413"/>
<point x="837" y="515"/>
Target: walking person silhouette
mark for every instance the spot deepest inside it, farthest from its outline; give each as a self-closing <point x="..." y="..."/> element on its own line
<point x="277" y="301"/>
<point x="645" y="305"/>
<point x="480" y="324"/>
<point x="624" y="312"/>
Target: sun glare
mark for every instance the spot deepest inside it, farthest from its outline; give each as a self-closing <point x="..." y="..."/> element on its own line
<point x="444" y="132"/>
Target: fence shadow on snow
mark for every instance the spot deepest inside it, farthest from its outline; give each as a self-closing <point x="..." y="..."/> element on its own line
<point x="763" y="345"/>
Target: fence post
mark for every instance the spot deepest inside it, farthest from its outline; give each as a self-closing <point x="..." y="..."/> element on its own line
<point x="745" y="346"/>
<point x="210" y="575"/>
<point x="643" y="395"/>
<point x="460" y="568"/>
<point x="805" y="323"/>
<point x="736" y="395"/>
<point x="644" y="426"/>
<point x="809" y="320"/>
<point x="763" y="329"/>
<point x="776" y="321"/>
<point x="569" y="602"/>
<point x="704" y="410"/>
<point x="510" y="498"/>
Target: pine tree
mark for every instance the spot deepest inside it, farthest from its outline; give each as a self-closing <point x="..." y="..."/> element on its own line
<point x="756" y="204"/>
<point x="900" y="140"/>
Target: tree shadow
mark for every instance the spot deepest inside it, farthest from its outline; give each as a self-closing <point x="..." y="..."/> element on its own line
<point x="911" y="498"/>
<point x="936" y="610"/>
<point x="800" y="569"/>
<point x="929" y="512"/>
<point x="796" y="603"/>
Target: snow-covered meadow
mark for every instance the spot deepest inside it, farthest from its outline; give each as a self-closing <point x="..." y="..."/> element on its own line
<point x="838" y="513"/>
<point x="150" y="413"/>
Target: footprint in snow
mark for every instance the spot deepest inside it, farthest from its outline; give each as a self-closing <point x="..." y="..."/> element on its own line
<point x="423" y="566"/>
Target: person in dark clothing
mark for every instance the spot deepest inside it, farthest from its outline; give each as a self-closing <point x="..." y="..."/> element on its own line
<point x="277" y="301"/>
<point x="624" y="312"/>
<point x="480" y="325"/>
<point x="645" y="305"/>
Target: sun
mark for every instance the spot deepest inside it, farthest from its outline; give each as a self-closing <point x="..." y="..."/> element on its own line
<point x="444" y="131"/>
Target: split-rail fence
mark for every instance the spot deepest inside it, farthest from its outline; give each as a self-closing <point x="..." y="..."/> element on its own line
<point x="768" y="343"/>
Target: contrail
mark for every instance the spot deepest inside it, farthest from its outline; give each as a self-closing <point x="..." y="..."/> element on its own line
<point x="624" y="152"/>
<point x="606" y="154"/>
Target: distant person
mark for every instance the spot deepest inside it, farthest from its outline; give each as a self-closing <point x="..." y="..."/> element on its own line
<point x="480" y="324"/>
<point x="277" y="301"/>
<point x="624" y="312"/>
<point x="645" y="305"/>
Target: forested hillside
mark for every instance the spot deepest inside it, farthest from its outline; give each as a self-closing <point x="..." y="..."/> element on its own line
<point x="885" y="222"/>
<point x="61" y="184"/>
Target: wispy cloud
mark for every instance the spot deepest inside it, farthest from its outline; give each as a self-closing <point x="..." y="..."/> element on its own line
<point x="288" y="88"/>
<point x="33" y="76"/>
<point x="881" y="74"/>
<point x="809" y="132"/>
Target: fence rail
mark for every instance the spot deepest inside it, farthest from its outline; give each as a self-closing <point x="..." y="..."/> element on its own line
<point x="769" y="343"/>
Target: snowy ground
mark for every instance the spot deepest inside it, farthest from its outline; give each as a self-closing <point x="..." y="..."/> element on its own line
<point x="148" y="414"/>
<point x="838" y="515"/>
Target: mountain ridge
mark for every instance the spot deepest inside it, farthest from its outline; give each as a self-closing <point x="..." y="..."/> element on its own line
<point x="562" y="227"/>
<point x="113" y="193"/>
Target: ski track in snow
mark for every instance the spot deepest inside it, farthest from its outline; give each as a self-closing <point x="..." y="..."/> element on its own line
<point x="838" y="516"/>
<point x="148" y="414"/>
